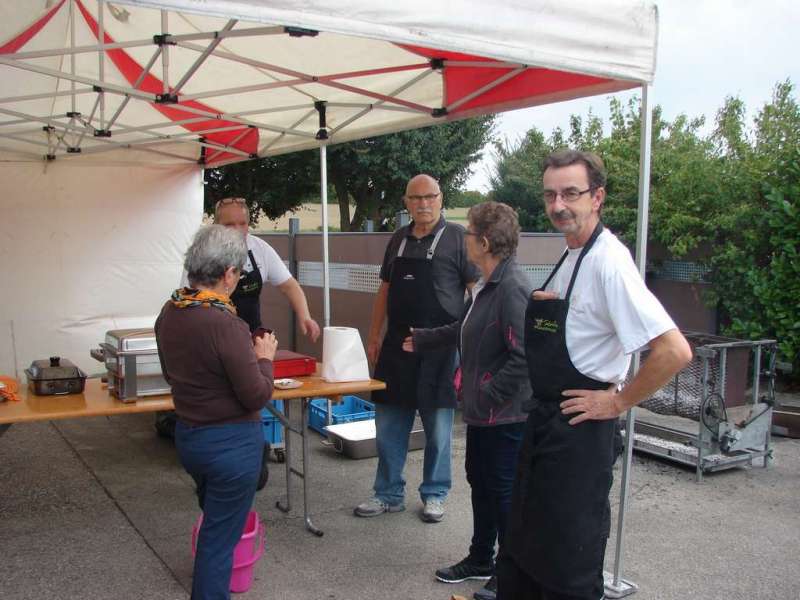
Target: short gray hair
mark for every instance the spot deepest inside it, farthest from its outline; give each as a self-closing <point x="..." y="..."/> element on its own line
<point x="499" y="224"/>
<point x="213" y="251"/>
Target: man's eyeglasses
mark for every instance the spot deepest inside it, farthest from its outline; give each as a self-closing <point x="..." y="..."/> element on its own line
<point x="568" y="195"/>
<point x="426" y="197"/>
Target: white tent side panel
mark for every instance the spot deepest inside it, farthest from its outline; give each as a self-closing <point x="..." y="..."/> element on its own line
<point x="87" y="249"/>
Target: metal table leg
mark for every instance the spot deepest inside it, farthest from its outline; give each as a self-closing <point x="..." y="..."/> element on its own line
<point x="304" y="434"/>
<point x="302" y="431"/>
<point x="287" y="445"/>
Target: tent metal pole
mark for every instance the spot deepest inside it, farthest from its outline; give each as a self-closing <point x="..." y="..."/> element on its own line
<point x="243" y="89"/>
<point x="265" y="66"/>
<point x="618" y="586"/>
<point x="371" y="107"/>
<point x="489" y="86"/>
<point x="164" y="54"/>
<point x="282" y="135"/>
<point x="326" y="291"/>
<point x="108" y="87"/>
<point x="48" y="95"/>
<point x="145" y="72"/>
<point x="72" y="56"/>
<point x="229" y="117"/>
<point x="203" y="56"/>
<point x="101" y="56"/>
<point x="81" y="49"/>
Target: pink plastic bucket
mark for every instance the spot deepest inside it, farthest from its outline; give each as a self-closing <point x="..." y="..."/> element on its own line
<point x="245" y="555"/>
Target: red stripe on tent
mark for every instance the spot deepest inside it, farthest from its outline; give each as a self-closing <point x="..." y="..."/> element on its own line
<point x="23" y="38"/>
<point x="131" y="70"/>
<point x="463" y="81"/>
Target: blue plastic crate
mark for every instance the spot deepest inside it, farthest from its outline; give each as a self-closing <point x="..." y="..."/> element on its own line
<point x="351" y="408"/>
<point x="273" y="429"/>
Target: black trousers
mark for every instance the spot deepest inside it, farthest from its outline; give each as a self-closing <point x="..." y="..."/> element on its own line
<point x="491" y="465"/>
<point x="515" y="584"/>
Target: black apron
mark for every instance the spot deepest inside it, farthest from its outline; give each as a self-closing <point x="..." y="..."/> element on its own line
<point x="560" y="516"/>
<point x="415" y="379"/>
<point x="247" y="295"/>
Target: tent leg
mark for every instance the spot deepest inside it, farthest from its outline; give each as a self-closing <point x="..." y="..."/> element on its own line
<point x="326" y="292"/>
<point x="616" y="586"/>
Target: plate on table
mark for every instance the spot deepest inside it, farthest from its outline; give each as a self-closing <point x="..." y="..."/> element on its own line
<point x="287" y="384"/>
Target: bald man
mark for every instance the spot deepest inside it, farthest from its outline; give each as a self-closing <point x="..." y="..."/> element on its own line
<point x="424" y="274"/>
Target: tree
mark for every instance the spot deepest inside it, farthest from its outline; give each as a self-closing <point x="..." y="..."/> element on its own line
<point x="465" y="199"/>
<point x="271" y="185"/>
<point x="755" y="263"/>
<point x="730" y="198"/>
<point x="517" y="178"/>
<point x="370" y="173"/>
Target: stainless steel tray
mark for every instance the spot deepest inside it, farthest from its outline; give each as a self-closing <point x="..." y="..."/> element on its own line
<point x="140" y="340"/>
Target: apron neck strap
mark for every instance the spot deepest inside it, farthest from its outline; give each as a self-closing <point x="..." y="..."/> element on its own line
<point x="431" y="250"/>
<point x="588" y="246"/>
<point x="597" y="231"/>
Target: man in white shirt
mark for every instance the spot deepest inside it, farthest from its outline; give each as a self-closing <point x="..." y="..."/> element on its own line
<point x="268" y="268"/>
<point x="581" y="328"/>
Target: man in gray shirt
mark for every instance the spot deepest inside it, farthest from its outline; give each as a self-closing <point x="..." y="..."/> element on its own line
<point x="424" y="275"/>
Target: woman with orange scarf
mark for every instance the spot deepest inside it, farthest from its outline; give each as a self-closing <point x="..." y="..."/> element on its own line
<point x="221" y="378"/>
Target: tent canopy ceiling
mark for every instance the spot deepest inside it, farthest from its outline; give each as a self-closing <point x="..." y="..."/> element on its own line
<point x="220" y="81"/>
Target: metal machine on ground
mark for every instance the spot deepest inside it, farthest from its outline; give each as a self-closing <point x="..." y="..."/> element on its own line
<point x="733" y="420"/>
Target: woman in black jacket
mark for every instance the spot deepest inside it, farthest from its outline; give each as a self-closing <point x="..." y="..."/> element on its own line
<point x="492" y="382"/>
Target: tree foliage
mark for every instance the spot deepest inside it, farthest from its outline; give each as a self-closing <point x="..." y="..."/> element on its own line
<point x="728" y="198"/>
<point x="370" y="174"/>
<point x="272" y="185"/>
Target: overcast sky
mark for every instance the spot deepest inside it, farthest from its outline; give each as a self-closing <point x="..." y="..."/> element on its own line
<point x="707" y="50"/>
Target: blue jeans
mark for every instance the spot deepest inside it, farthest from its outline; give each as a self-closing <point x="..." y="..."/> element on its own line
<point x="491" y="465"/>
<point x="393" y="425"/>
<point x="225" y="462"/>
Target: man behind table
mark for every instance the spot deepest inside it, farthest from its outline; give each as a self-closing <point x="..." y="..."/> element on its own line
<point x="263" y="266"/>
<point x="581" y="327"/>
<point x="424" y="275"/>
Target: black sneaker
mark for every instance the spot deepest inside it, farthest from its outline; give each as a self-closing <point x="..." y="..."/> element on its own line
<point x="466" y="569"/>
<point x="487" y="592"/>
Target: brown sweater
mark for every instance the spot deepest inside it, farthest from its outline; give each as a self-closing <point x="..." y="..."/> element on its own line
<point x="207" y="357"/>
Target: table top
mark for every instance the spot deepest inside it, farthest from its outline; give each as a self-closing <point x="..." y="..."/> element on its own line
<point x="96" y="401"/>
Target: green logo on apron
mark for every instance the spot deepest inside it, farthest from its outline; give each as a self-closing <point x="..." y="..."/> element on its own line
<point x="545" y="325"/>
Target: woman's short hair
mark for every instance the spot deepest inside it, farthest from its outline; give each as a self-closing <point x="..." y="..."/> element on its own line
<point x="499" y="224"/>
<point x="213" y="251"/>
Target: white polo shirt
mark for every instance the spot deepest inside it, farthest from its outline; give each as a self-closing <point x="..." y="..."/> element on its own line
<point x="272" y="268"/>
<point x="612" y="313"/>
<point x="269" y="263"/>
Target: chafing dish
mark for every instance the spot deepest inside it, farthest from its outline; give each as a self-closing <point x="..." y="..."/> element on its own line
<point x="131" y="360"/>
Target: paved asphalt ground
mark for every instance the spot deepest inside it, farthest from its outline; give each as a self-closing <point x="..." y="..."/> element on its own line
<point x="101" y="509"/>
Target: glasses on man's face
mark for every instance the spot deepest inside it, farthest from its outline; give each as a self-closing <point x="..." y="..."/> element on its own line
<point x="425" y="197"/>
<point x="567" y="195"/>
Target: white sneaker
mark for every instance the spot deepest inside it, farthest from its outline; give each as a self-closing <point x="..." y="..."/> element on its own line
<point x="433" y="511"/>
<point x="375" y="506"/>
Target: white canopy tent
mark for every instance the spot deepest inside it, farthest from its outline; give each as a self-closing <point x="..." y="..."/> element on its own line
<point x="98" y="138"/>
